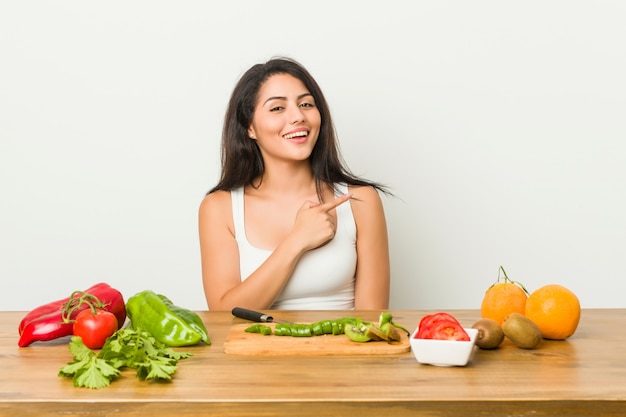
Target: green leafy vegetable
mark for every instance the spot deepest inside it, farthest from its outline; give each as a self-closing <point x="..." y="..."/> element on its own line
<point x="131" y="348"/>
<point x="87" y="369"/>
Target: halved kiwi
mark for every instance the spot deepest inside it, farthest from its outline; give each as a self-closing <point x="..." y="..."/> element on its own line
<point x="375" y="333"/>
<point x="357" y="332"/>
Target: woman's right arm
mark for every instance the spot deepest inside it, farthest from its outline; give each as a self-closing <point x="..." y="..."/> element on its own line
<point x="221" y="275"/>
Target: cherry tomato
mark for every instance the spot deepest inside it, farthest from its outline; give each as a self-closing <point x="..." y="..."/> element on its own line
<point x="94" y="329"/>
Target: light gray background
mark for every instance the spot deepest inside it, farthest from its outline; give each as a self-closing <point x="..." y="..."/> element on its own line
<point x="500" y="126"/>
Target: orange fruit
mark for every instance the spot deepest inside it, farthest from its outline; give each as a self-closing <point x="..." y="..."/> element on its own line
<point x="502" y="299"/>
<point x="555" y="310"/>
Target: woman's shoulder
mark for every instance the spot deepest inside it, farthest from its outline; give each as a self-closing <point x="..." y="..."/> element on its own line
<point x="364" y="192"/>
<point x="366" y="203"/>
<point x="216" y="202"/>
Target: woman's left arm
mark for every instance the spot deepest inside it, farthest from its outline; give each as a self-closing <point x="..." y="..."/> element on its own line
<point x="372" y="245"/>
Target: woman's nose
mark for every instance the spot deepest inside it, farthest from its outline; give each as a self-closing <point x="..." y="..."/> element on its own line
<point x="296" y="116"/>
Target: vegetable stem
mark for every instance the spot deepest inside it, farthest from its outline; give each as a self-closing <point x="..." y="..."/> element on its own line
<point x="77" y="299"/>
<point x="506" y="279"/>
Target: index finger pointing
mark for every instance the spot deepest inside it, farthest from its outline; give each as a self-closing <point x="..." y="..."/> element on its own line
<point x="336" y="202"/>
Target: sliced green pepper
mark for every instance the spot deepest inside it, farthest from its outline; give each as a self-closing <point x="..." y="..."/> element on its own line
<point x="385" y="319"/>
<point x="327" y="326"/>
<point x="355" y="328"/>
<point x="259" y="328"/>
<point x="301" y="330"/>
<point x="169" y="324"/>
<point x="282" y="329"/>
<point x="317" y="329"/>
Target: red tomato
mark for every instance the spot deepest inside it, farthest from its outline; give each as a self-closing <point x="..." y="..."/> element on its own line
<point x="94" y="329"/>
<point x="427" y="322"/>
<point x="449" y="330"/>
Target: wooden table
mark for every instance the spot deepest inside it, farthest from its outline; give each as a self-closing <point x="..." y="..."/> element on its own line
<point x="582" y="376"/>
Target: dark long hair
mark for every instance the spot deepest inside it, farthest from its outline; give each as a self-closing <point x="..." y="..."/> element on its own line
<point x="242" y="161"/>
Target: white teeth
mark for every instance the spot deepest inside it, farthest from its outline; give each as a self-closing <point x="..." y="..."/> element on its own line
<point x="295" y="135"/>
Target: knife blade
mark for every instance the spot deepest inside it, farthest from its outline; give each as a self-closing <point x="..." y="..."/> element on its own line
<point x="257" y="316"/>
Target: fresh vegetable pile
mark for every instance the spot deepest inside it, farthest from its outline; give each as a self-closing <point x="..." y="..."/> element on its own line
<point x="95" y="325"/>
<point x="56" y="319"/>
<point x="130" y="348"/>
<point x="95" y="319"/>
<point x="355" y="328"/>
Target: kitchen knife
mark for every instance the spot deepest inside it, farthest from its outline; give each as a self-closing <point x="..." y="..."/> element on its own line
<point x="244" y="313"/>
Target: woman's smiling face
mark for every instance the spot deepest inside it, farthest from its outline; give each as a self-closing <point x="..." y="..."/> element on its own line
<point x="286" y="121"/>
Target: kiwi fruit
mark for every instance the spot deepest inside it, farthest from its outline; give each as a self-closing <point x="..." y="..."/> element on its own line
<point x="357" y="332"/>
<point x="376" y="334"/>
<point x="522" y="331"/>
<point x="490" y="334"/>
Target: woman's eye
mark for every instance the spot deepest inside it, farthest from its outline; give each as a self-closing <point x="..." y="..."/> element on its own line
<point x="307" y="104"/>
<point x="276" y="108"/>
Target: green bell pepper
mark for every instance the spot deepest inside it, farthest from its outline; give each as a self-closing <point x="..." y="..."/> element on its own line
<point x="192" y="318"/>
<point x="168" y="323"/>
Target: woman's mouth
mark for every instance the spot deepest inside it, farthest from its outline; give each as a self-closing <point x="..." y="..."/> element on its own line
<point x="297" y="137"/>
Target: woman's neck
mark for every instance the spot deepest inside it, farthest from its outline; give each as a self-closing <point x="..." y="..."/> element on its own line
<point x="286" y="180"/>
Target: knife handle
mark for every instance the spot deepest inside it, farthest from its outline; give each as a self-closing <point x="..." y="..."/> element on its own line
<point x="244" y="313"/>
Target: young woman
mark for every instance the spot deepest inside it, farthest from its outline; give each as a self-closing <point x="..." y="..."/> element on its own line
<point x="288" y="226"/>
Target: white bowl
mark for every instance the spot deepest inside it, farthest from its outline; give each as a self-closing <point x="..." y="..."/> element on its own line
<point x="444" y="352"/>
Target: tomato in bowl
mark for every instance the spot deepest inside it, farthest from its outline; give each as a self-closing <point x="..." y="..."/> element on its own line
<point x="441" y="340"/>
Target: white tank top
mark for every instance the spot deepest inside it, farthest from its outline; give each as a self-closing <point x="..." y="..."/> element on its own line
<point x="323" y="278"/>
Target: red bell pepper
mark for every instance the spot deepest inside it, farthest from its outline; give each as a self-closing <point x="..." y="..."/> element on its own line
<point x="51" y="321"/>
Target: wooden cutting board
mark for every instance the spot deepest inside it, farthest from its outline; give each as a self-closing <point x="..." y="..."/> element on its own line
<point x="239" y="342"/>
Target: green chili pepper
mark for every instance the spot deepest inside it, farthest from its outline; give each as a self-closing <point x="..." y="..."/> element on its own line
<point x="282" y="329"/>
<point x="253" y="329"/>
<point x="330" y="327"/>
<point x="301" y="330"/>
<point x="317" y="329"/>
<point x="169" y="324"/>
<point x="259" y="328"/>
<point x="327" y="326"/>
<point x="384" y="317"/>
<point x="387" y="329"/>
